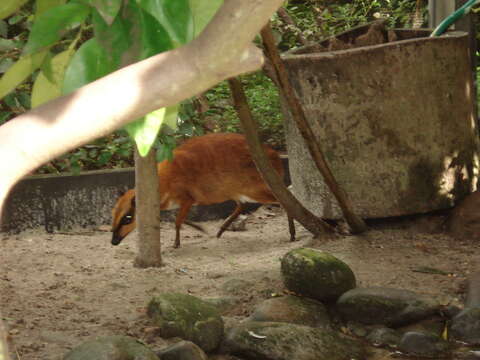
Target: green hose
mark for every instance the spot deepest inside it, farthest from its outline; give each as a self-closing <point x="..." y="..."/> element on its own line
<point x="445" y="24"/>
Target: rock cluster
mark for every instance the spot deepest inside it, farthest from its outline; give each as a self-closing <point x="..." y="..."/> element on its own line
<point x="326" y="317"/>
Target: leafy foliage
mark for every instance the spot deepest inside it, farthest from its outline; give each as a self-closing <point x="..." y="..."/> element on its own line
<point x="317" y="19"/>
<point x="106" y="34"/>
<point x="114" y="151"/>
<point x="132" y="29"/>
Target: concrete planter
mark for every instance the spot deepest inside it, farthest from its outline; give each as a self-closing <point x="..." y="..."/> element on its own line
<point x="395" y="120"/>
<point x="62" y="202"/>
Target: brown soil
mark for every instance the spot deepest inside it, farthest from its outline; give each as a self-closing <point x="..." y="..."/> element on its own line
<point x="58" y="290"/>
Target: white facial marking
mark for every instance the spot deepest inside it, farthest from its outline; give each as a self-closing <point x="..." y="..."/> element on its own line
<point x="244" y="199"/>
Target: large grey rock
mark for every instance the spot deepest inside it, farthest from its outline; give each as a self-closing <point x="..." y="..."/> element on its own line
<point x="183" y="350"/>
<point x="111" y="348"/>
<point x="316" y="274"/>
<point x="391" y="307"/>
<point x="292" y="309"/>
<point x="283" y="341"/>
<point x="187" y="317"/>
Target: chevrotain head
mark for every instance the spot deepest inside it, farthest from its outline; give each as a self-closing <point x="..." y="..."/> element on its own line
<point x="123" y="215"/>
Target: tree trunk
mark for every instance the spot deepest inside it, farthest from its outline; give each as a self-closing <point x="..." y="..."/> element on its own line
<point x="3" y="341"/>
<point x="147" y="212"/>
<point x="291" y="205"/>
<point x="356" y="224"/>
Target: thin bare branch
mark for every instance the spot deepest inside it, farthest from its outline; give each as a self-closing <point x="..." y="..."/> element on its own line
<point x="356" y="224"/>
<point x="291" y="205"/>
<point x="282" y="13"/>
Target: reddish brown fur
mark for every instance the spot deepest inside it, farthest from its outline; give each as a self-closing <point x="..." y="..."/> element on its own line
<point x="205" y="170"/>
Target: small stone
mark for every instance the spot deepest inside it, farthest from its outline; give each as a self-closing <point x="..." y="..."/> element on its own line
<point x="292" y="309"/>
<point x="434" y="326"/>
<point x="465" y="326"/>
<point x="384" y="337"/>
<point x="421" y="344"/>
<point x="111" y="348"/>
<point x="183" y="350"/>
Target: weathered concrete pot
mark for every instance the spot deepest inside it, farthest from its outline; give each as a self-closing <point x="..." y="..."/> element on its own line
<point x="395" y="121"/>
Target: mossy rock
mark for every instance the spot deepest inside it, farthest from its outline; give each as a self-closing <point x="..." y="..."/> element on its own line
<point x="187" y="317"/>
<point x="283" y="341"/>
<point x="316" y="274"/>
<point x="111" y="348"/>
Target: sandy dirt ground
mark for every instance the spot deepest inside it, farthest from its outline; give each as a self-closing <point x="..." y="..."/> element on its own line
<point x="58" y="290"/>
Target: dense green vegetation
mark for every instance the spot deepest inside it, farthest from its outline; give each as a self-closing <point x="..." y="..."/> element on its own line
<point x="213" y="111"/>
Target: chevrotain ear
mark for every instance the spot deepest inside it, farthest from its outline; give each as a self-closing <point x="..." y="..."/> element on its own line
<point x="133" y="202"/>
<point x="120" y="192"/>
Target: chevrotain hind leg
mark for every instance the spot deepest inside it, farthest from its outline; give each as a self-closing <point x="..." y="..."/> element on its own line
<point x="195" y="226"/>
<point x="238" y="210"/>
<point x="181" y="216"/>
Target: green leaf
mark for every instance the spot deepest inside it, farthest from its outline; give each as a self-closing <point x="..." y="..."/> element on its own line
<point x="23" y="98"/>
<point x="174" y="15"/>
<point x="3" y="28"/>
<point x="4" y="116"/>
<point x="202" y="13"/>
<point x="89" y="63"/>
<point x="114" y="39"/>
<point x="48" y="88"/>
<point x="164" y="152"/>
<point x="104" y="157"/>
<point x="144" y="131"/>
<point x="49" y="27"/>
<point x="108" y="9"/>
<point x="44" y="5"/>
<point x="165" y="144"/>
<point x="19" y="71"/>
<point x="17" y="18"/>
<point x="153" y="38"/>
<point x="7" y="45"/>
<point x="8" y="7"/>
<point x="5" y="64"/>
<point x="170" y="122"/>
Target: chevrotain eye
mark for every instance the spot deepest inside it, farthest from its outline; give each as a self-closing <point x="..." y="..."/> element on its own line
<point x="127" y="219"/>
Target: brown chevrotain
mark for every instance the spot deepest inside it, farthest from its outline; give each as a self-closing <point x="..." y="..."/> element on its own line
<point x="205" y="170"/>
